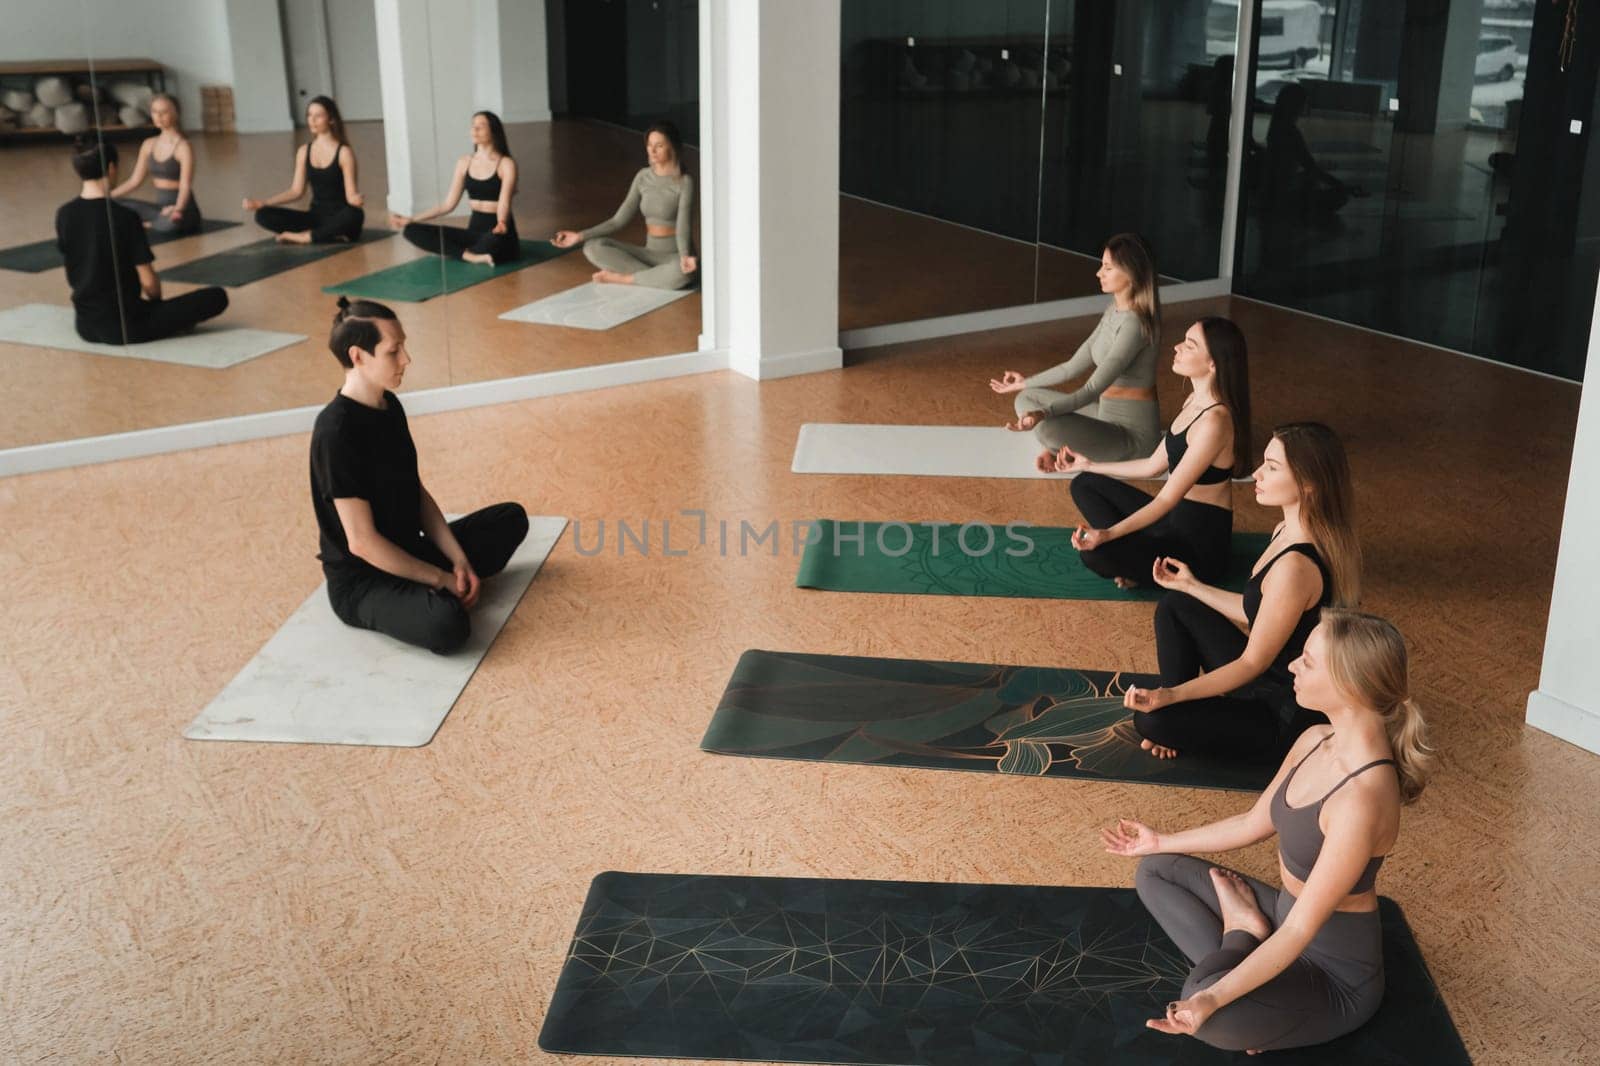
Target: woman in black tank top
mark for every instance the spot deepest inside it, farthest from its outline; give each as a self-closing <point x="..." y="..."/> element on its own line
<point x="1225" y="688"/>
<point x="491" y="233"/>
<point x="336" y="213"/>
<point x="1191" y="518"/>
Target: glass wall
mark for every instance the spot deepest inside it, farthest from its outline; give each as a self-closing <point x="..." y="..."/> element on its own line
<point x="988" y="150"/>
<point x="1425" y="168"/>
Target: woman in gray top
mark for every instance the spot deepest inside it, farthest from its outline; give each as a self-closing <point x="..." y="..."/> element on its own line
<point x="664" y="191"/>
<point x="168" y="160"/>
<point x="1112" y="416"/>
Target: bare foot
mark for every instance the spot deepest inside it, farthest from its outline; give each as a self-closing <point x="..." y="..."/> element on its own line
<point x="611" y="277"/>
<point x="293" y="238"/>
<point x="1126" y="583"/>
<point x="1238" y="903"/>
<point x="482" y="258"/>
<point x="1158" y="750"/>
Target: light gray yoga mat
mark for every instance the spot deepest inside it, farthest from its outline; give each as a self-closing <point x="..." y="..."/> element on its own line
<point x="319" y="681"/>
<point x="937" y="451"/>
<point x="595" y="306"/>
<point x="932" y="451"/>
<point x="210" y="347"/>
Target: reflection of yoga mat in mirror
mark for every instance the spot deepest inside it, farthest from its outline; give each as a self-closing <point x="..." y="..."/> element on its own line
<point x="595" y="306"/>
<point x="981" y="559"/>
<point x="936" y="451"/>
<point x="1026" y="721"/>
<point x="423" y="279"/>
<point x="260" y="259"/>
<point x="917" y="974"/>
<point x="212" y="347"/>
<point x="319" y="681"/>
<point x="40" y="256"/>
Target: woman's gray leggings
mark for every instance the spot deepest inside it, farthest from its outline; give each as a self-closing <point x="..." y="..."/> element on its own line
<point x="1107" y="431"/>
<point x="151" y="212"/>
<point x="1333" y="988"/>
<point x="654" y="265"/>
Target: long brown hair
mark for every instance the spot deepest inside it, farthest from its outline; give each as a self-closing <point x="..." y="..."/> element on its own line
<point x="1133" y="257"/>
<point x="1367" y="660"/>
<point x="1321" y="472"/>
<point x="1225" y="343"/>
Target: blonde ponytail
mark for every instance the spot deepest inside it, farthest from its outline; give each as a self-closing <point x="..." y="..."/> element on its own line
<point x="1367" y="658"/>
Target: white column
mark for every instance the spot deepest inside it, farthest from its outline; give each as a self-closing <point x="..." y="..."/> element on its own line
<point x="260" y="78"/>
<point x="510" y="62"/>
<point x="1567" y="701"/>
<point x="424" y="52"/>
<point x="769" y="117"/>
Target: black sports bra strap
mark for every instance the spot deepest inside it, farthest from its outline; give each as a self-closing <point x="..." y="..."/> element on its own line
<point x="1196" y="418"/>
<point x="1354" y="773"/>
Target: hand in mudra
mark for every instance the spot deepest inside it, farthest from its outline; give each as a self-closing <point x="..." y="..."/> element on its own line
<point x="1026" y="422"/>
<point x="1010" y="381"/>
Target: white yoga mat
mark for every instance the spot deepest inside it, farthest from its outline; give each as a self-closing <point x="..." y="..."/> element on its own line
<point x="938" y="451"/>
<point x="595" y="306"/>
<point x="319" y="681"/>
<point x="211" y="346"/>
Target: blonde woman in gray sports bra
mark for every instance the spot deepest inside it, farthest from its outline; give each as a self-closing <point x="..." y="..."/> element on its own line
<point x="664" y="192"/>
<point x="1113" y="415"/>
<point x="175" y="209"/>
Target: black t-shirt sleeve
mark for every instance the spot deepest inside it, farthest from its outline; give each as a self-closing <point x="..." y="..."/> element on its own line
<point x="343" y="470"/>
<point x="134" y="238"/>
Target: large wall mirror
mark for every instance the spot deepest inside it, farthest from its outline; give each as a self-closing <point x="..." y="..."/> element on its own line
<point x="214" y="128"/>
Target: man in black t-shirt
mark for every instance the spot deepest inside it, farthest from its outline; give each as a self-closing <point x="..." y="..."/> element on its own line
<point x="115" y="290"/>
<point x="392" y="561"/>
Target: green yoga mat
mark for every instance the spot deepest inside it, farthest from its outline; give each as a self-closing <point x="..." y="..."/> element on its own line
<point x="262" y="259"/>
<point x="423" y="279"/>
<point x="918" y="974"/>
<point x="1027" y="721"/>
<point x="1031" y="562"/>
<point x="40" y="256"/>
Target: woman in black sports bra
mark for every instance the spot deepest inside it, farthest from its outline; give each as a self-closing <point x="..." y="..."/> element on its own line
<point x="336" y="213"/>
<point x="491" y="233"/>
<point x="1301" y="965"/>
<point x="1125" y="529"/>
<point x="1224" y="656"/>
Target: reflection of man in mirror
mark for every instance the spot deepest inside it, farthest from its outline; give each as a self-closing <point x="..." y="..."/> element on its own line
<point x="392" y="562"/>
<point x="115" y="290"/>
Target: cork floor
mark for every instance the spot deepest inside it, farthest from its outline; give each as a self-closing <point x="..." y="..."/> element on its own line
<point x="169" y="901"/>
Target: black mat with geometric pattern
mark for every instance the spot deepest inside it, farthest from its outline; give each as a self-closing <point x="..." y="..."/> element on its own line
<point x="915" y="974"/>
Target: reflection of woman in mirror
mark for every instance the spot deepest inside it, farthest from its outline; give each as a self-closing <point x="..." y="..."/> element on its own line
<point x="1113" y="415"/>
<point x="328" y="165"/>
<point x="116" y="293"/>
<point x="1191" y="518"/>
<point x="664" y="192"/>
<point x="168" y="160"/>
<point x="1224" y="656"/>
<point x="1294" y="183"/>
<point x="488" y="177"/>
<point x="1302" y="964"/>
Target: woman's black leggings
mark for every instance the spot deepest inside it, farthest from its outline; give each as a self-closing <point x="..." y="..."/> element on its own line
<point x="478" y="238"/>
<point x="338" y="222"/>
<point x="1197" y="533"/>
<point x="1256" y="723"/>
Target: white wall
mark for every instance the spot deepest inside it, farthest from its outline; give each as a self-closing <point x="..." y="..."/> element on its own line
<point x="1567" y="702"/>
<point x="188" y="37"/>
